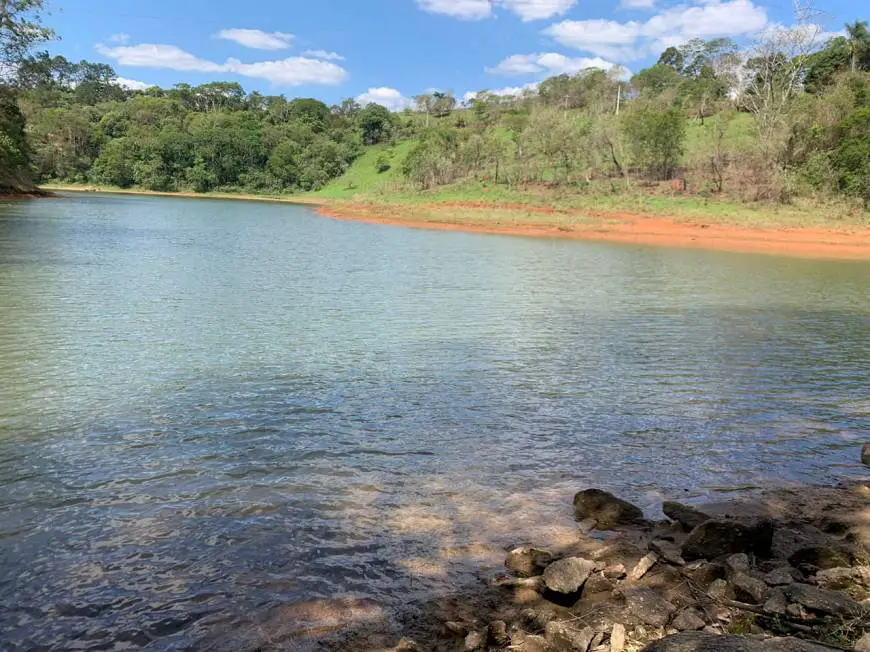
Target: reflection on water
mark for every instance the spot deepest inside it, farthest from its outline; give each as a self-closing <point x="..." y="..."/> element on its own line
<point x="210" y="410"/>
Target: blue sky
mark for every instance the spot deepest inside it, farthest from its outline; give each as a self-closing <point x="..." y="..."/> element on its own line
<point x="391" y="50"/>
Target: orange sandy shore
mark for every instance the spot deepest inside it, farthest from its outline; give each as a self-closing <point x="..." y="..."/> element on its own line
<point x="850" y="244"/>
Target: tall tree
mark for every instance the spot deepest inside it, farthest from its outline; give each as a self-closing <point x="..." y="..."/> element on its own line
<point x="859" y="41"/>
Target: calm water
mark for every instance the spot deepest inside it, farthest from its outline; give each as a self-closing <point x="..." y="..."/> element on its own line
<point x="210" y="408"/>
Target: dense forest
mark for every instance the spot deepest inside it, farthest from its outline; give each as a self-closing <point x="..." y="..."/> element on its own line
<point x="786" y="116"/>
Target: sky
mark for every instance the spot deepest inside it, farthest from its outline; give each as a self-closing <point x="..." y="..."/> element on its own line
<point x="388" y="51"/>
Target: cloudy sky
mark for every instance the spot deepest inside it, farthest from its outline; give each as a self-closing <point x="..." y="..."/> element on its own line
<point x="390" y="50"/>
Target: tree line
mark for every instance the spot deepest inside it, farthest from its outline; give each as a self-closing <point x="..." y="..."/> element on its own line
<point x="786" y="116"/>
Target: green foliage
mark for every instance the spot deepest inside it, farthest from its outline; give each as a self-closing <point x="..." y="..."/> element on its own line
<point x="376" y="124"/>
<point x="852" y="155"/>
<point x="657" y="140"/>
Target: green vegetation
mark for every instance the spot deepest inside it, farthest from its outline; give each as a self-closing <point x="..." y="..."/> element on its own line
<point x="784" y="124"/>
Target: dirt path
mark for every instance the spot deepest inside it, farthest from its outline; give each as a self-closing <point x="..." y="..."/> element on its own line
<point x="851" y="244"/>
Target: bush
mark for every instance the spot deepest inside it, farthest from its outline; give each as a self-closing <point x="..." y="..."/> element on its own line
<point x="852" y="156"/>
<point x="383" y="163"/>
<point x="656" y="140"/>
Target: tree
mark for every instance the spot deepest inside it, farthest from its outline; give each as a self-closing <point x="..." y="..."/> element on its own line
<point x="424" y="104"/>
<point x="20" y="29"/>
<point x="375" y="123"/>
<point x="859" y="41"/>
<point x="656" y="140"/>
<point x="852" y="156"/>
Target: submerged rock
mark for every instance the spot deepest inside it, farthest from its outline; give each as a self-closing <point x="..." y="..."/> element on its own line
<point x="568" y="575"/>
<point x="607" y="510"/>
<point x="714" y="539"/>
<point x="528" y="562"/>
<point x="687" y="516"/>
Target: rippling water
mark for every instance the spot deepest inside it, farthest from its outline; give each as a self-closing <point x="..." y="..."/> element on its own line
<point x="211" y="408"/>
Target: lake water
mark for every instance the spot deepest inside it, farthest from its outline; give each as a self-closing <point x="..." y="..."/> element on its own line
<point x="208" y="408"/>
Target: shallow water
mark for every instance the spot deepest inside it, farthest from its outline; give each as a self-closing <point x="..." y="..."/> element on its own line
<point x="211" y="408"/>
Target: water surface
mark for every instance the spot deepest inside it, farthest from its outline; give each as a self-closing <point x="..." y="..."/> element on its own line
<point x="208" y="408"/>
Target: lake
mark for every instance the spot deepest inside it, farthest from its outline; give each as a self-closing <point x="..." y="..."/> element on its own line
<point x="209" y="408"/>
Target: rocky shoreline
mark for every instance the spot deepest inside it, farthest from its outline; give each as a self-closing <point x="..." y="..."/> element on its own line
<point x="786" y="570"/>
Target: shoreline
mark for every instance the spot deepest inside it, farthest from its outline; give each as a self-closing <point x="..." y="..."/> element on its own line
<point x="851" y="242"/>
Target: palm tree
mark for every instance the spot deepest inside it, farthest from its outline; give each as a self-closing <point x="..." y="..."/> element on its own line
<point x="859" y="40"/>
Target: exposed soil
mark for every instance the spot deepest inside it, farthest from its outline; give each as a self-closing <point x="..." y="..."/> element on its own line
<point x="847" y="243"/>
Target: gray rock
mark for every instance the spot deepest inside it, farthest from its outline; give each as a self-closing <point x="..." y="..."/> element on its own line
<point x="720" y="590"/>
<point x="617" y="638"/>
<point x="649" y="607"/>
<point x="529" y="642"/>
<point x="709" y="642"/>
<point x="687" y="516"/>
<point x="738" y="563"/>
<point x="598" y="583"/>
<point x="748" y="589"/>
<point x="528" y="562"/>
<point x="779" y="577"/>
<point x="642" y="567"/>
<point x="714" y="539"/>
<point x="823" y="557"/>
<point x="822" y="600"/>
<point x="568" y="575"/>
<point x="668" y="551"/>
<point x="614" y="571"/>
<point x="689" y="619"/>
<point x="562" y="637"/>
<point x="474" y="641"/>
<point x="703" y="572"/>
<point x="865" y="454"/>
<point x="776" y="603"/>
<point x="607" y="510"/>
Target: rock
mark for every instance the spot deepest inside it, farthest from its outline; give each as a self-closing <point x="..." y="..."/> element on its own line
<point x="703" y="572"/>
<point x="562" y="637"/>
<point x="689" y="619"/>
<point x="649" y="607"/>
<point x="865" y="455"/>
<point x="617" y="638"/>
<point x="474" y="641"/>
<point x="498" y="632"/>
<point x="642" y="567"/>
<point x="720" y="590"/>
<point x="748" y="589"/>
<point x="797" y="611"/>
<point x="714" y="539"/>
<point x="822" y="600"/>
<point x="456" y="628"/>
<point x="738" y="563"/>
<point x="608" y="510"/>
<point x="668" y="551"/>
<point x="407" y="645"/>
<point x="688" y="517"/>
<point x="528" y="562"/>
<point x="776" y="603"/>
<point x="863" y="643"/>
<point x="597" y="640"/>
<point x="843" y="578"/>
<point x="598" y="583"/>
<point x="528" y="642"/>
<point x="710" y="642"/>
<point x="614" y="571"/>
<point x="823" y="557"/>
<point x="568" y="575"/>
<point x="779" y="577"/>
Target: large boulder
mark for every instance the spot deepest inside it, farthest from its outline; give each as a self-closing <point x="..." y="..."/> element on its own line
<point x="715" y="538"/>
<point x="606" y="509"/>
<point x="822" y="600"/>
<point x="568" y="575"/>
<point x="687" y="516"/>
<point x="707" y="642"/>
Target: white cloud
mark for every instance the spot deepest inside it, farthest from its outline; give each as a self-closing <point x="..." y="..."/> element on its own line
<point x="637" y="4"/>
<point x="530" y="10"/>
<point x="501" y="92"/>
<point x="120" y="38"/>
<point x="323" y="54"/>
<point x="635" y="39"/>
<point x="387" y="97"/>
<point x="464" y="9"/>
<point x="257" y="39"/>
<point x="131" y="84"/>
<point x="151" y="55"/>
<point x="292" y="71"/>
<point x="527" y="10"/>
<point x="551" y="63"/>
